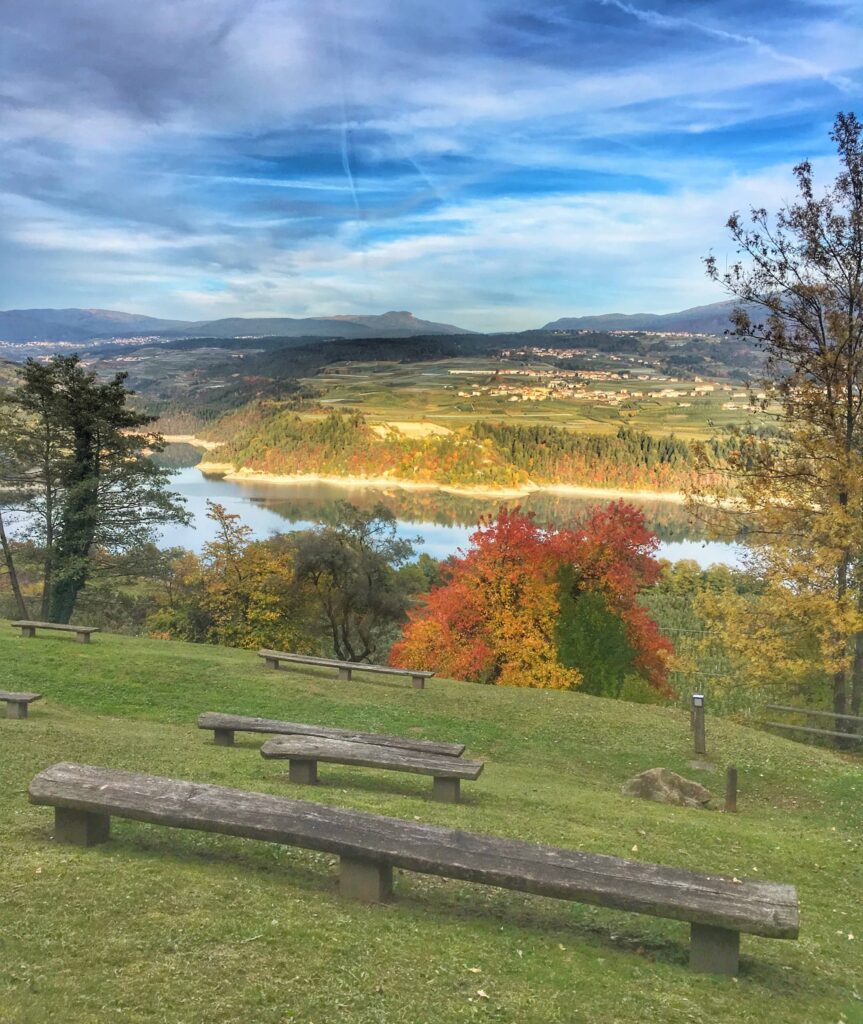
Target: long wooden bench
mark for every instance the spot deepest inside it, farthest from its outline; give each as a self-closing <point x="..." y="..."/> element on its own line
<point x="224" y="727"/>
<point x="17" y="704"/>
<point x="82" y="633"/>
<point x="272" y="659"/>
<point x="370" y="846"/>
<point x="304" y="752"/>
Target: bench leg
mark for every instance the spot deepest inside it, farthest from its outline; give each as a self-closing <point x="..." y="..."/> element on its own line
<point x="365" y="880"/>
<point x="271" y="662"/>
<point x="447" y="791"/>
<point x="81" y="828"/>
<point x="345" y="674"/>
<point x="305" y="772"/>
<point x="714" y="950"/>
<point x="28" y="631"/>
<point x="223" y="737"/>
<point x="82" y="638"/>
<point x="418" y="682"/>
<point x="16" y="709"/>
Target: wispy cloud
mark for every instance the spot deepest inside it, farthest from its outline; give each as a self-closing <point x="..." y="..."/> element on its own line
<point x="762" y="48"/>
<point x="488" y="162"/>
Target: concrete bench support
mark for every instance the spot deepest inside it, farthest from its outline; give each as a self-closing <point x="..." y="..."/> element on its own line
<point x="223" y="737"/>
<point x="714" y="950"/>
<point x="447" y="791"/>
<point x="81" y="828"/>
<point x="365" y="880"/>
<point x="418" y="682"/>
<point x="345" y="675"/>
<point x="16" y="708"/>
<point x="304" y="773"/>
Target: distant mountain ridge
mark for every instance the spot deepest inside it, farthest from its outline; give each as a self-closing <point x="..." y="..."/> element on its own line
<point x="710" y="319"/>
<point x="22" y="325"/>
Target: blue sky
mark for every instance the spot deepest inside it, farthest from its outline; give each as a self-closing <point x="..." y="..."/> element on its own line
<point x="488" y="163"/>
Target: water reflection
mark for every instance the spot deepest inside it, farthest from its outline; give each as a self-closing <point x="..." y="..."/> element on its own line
<point x="443" y="521"/>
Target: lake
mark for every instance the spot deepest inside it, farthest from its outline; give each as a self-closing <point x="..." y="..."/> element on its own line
<point x="443" y="521"/>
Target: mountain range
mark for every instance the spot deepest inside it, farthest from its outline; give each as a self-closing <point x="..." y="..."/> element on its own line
<point x="80" y="325"/>
<point x="711" y="319"/>
<point x="22" y="325"/>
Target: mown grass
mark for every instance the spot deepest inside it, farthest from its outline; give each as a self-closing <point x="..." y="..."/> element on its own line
<point x="163" y="925"/>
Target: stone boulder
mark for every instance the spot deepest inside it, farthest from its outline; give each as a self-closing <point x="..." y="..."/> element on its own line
<point x="667" y="787"/>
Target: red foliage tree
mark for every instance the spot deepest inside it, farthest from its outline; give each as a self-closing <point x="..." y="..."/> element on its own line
<point x="495" y="617"/>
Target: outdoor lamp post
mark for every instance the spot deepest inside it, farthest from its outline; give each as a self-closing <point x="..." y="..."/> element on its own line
<point x="698" y="723"/>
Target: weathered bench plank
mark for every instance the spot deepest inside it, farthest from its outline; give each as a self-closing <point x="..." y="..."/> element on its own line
<point x="224" y="727"/>
<point x="28" y="628"/>
<point x="370" y="845"/>
<point x="345" y="668"/>
<point x="304" y="752"/>
<point x="17" y="704"/>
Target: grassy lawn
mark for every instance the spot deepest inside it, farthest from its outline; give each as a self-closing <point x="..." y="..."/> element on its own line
<point x="173" y="926"/>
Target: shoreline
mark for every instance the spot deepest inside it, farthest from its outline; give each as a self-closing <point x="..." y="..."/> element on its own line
<point x="227" y="471"/>
<point x="192" y="440"/>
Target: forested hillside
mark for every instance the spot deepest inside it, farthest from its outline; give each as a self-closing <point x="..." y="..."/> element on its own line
<point x="282" y="442"/>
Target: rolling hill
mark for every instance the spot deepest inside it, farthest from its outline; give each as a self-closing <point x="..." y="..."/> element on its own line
<point x="172" y="925"/>
<point x="711" y="319"/>
<point x="23" y="325"/>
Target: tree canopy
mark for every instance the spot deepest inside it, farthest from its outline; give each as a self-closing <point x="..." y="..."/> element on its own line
<point x="75" y="474"/>
<point x="528" y="605"/>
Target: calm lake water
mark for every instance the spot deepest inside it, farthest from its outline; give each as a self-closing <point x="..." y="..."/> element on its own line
<point x="442" y="521"/>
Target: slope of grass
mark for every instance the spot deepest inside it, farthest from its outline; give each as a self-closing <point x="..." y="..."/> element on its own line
<point x="165" y="925"/>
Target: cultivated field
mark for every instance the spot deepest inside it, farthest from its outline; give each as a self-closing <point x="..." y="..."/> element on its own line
<point x="399" y="392"/>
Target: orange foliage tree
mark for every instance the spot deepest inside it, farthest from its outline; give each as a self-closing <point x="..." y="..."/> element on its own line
<point x="497" y="616"/>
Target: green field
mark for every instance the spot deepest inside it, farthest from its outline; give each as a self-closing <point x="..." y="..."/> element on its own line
<point x="164" y="925"/>
<point x="387" y="392"/>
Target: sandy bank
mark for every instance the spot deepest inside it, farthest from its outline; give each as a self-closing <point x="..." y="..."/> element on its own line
<point x="196" y="442"/>
<point x="571" y="490"/>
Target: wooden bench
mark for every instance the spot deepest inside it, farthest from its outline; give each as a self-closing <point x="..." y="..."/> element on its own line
<point x="224" y="727"/>
<point x="304" y="752"/>
<point x="273" y="658"/>
<point x="17" y="704"/>
<point x="82" y="633"/>
<point x="370" y="846"/>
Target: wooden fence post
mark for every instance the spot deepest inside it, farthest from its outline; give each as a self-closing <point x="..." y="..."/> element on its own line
<point x="731" y="789"/>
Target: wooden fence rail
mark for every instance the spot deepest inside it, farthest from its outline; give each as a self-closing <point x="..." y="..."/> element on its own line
<point x="854" y="737"/>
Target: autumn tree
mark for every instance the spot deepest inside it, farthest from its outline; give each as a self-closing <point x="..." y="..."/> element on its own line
<point x="527" y="605"/>
<point x="353" y="573"/>
<point x="238" y="593"/>
<point x="799" y="497"/>
<point x="75" y="469"/>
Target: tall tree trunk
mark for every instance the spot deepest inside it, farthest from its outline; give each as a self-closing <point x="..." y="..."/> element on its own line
<point x="72" y="552"/>
<point x="840" y="677"/>
<point x="857" y="676"/>
<point x="20" y="603"/>
<point x="48" y="566"/>
<point x="857" y="669"/>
